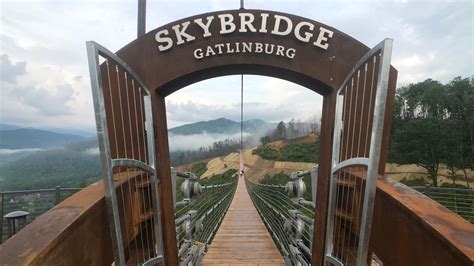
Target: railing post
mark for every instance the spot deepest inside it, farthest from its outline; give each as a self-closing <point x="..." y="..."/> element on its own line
<point x="58" y="194"/>
<point x="314" y="183"/>
<point x="1" y="218"/>
<point x="174" y="176"/>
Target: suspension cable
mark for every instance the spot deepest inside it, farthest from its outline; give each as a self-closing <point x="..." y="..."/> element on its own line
<point x="241" y="154"/>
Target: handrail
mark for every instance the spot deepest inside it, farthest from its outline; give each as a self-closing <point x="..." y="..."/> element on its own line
<point x="45" y="190"/>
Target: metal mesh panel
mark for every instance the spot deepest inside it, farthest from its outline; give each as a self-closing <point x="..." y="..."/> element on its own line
<point x="360" y="110"/>
<point x="123" y="115"/>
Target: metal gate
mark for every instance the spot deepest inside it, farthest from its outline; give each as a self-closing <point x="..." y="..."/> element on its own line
<point x="360" y="111"/>
<point x="123" y="116"/>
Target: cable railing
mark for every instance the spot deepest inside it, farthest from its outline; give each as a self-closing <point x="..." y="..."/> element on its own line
<point x="198" y="214"/>
<point x="458" y="200"/>
<point x="288" y="216"/>
<point x="35" y="202"/>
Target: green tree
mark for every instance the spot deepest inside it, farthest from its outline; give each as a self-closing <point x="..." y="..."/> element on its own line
<point x="420" y="141"/>
<point x="460" y="104"/>
<point x="432" y="124"/>
<point x="280" y="131"/>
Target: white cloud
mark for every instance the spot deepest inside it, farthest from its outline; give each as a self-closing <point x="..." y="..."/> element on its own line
<point x="10" y="151"/>
<point x="45" y="44"/>
<point x="10" y="71"/>
<point x="194" y="142"/>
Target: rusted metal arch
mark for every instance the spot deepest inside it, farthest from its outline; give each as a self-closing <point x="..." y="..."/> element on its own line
<point x="322" y="71"/>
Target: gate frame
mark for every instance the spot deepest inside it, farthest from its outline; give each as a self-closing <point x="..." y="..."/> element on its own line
<point x="94" y="50"/>
<point x="372" y="163"/>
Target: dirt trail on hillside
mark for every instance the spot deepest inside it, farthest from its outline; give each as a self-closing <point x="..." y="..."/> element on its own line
<point x="413" y="171"/>
<point x="255" y="167"/>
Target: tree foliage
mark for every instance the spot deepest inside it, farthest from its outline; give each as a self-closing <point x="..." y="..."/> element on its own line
<point x="291" y="151"/>
<point x="432" y="125"/>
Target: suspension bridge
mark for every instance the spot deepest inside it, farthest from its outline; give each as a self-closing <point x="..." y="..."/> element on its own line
<point x="242" y="237"/>
<point x="237" y="221"/>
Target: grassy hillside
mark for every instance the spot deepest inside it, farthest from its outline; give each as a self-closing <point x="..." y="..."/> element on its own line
<point x="303" y="149"/>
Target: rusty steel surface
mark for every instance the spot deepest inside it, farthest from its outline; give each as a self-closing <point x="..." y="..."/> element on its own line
<point x="412" y="229"/>
<point x="53" y="238"/>
<point x="319" y="70"/>
<point x="74" y="232"/>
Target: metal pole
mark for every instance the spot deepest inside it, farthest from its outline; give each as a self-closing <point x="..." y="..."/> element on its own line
<point x="241" y="111"/>
<point x="141" y="22"/>
<point x="241" y="4"/>
<point x="241" y="154"/>
<point x="1" y="218"/>
<point x="58" y="196"/>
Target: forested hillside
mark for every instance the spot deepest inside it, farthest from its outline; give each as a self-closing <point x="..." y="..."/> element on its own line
<point x="27" y="138"/>
<point x="75" y="165"/>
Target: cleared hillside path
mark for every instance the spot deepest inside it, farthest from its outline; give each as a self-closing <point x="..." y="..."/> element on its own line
<point x="242" y="239"/>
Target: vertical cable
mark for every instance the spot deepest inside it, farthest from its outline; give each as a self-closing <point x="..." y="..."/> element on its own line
<point x="339" y="175"/>
<point x="349" y="95"/>
<point x="354" y="197"/>
<point x="125" y="77"/>
<point x="352" y="176"/>
<point x="127" y="170"/>
<point x="371" y="99"/>
<point x="140" y="189"/>
<point x="145" y="159"/>
<point x="117" y="155"/>
<point x="241" y="110"/>
<point x="241" y="124"/>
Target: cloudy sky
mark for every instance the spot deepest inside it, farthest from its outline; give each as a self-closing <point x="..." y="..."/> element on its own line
<point x="44" y="76"/>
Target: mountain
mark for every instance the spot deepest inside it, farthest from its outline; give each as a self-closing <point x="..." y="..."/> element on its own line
<point x="74" y="165"/>
<point x="8" y="127"/>
<point x="221" y="126"/>
<point x="72" y="131"/>
<point x="27" y="138"/>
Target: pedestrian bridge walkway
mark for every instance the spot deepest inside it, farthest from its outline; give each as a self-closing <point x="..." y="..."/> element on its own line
<point x="242" y="238"/>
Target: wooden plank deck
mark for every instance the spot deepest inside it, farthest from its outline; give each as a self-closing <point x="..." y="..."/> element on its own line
<point x="242" y="238"/>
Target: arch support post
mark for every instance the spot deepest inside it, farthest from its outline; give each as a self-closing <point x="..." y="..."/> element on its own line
<point x="165" y="186"/>
<point x="324" y="172"/>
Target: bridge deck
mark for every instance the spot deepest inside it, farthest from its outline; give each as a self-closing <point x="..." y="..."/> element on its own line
<point x="242" y="238"/>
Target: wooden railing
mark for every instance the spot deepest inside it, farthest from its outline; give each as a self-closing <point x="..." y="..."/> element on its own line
<point x="35" y="202"/>
<point x="409" y="229"/>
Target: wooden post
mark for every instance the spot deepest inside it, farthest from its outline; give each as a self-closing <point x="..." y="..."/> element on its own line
<point x="324" y="173"/>
<point x="165" y="186"/>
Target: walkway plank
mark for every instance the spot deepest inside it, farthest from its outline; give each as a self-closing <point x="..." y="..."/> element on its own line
<point x="242" y="239"/>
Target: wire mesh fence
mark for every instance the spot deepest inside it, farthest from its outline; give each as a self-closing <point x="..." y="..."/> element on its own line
<point x="35" y="202"/>
<point x="458" y="200"/>
<point x="198" y="221"/>
<point x="289" y="222"/>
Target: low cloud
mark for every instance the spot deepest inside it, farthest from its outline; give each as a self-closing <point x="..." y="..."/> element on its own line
<point x="91" y="151"/>
<point x="11" y="152"/>
<point x="196" y="141"/>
